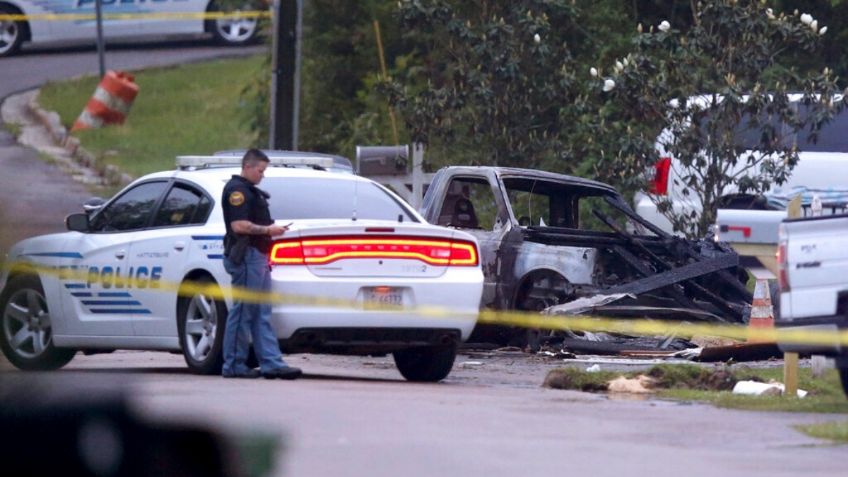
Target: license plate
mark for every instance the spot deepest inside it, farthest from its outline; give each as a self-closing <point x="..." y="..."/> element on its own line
<point x="378" y="296"/>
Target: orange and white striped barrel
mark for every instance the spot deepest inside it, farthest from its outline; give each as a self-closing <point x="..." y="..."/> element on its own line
<point x="762" y="311"/>
<point x="111" y="101"/>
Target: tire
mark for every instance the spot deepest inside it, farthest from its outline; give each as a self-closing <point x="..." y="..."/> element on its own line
<point x="11" y="33"/>
<point x="26" y="332"/>
<point x="843" y="376"/>
<point x="200" y="324"/>
<point x="233" y="32"/>
<point x="426" y="364"/>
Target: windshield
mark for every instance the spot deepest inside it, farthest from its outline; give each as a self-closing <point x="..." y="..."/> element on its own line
<point x="330" y="198"/>
<point x="540" y="203"/>
<point x="748" y="134"/>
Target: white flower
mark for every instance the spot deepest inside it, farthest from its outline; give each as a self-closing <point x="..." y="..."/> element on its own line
<point x="770" y="13"/>
<point x="664" y="26"/>
<point x="593" y="71"/>
<point x="814" y="25"/>
<point x="624" y="60"/>
<point x="536" y="38"/>
<point x="823" y="30"/>
<point x="608" y="85"/>
<point x="806" y="18"/>
<point x="618" y="66"/>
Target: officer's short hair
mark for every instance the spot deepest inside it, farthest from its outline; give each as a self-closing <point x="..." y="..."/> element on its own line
<point x="252" y="157"/>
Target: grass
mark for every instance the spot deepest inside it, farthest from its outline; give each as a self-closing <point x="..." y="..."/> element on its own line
<point x="187" y="109"/>
<point x="13" y="128"/>
<point x="835" y="431"/>
<point x="712" y="385"/>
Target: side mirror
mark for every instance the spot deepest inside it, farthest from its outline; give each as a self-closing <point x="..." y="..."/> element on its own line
<point x="93" y="204"/>
<point x="77" y="222"/>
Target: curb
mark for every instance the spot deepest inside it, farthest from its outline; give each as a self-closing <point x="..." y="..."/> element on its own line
<point x="52" y="123"/>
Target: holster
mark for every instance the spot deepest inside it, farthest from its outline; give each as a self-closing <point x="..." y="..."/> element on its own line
<point x="235" y="248"/>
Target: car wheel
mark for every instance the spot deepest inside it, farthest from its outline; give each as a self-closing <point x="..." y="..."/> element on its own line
<point x="234" y="31"/>
<point x="843" y="376"/>
<point x="27" y="333"/>
<point x="11" y="33"/>
<point x="426" y="364"/>
<point x="200" y="324"/>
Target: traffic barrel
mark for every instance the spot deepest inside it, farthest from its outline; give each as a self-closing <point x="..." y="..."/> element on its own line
<point x="110" y="103"/>
<point x="762" y="311"/>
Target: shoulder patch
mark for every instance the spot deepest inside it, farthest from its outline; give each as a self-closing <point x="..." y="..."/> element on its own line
<point x="236" y="198"/>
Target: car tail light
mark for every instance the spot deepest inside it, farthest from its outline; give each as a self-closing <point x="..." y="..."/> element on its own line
<point x="322" y="250"/>
<point x="659" y="181"/>
<point x="782" y="262"/>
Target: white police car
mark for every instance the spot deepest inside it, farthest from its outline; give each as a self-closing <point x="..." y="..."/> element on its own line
<point x="122" y="19"/>
<point x="112" y="282"/>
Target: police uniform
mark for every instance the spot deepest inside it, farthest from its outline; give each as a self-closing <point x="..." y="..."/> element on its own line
<point x="249" y="269"/>
<point x="244" y="201"/>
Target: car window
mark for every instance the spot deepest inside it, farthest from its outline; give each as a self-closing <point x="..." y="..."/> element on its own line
<point x="530" y="204"/>
<point x="331" y="198"/>
<point x="131" y="210"/>
<point x="182" y="206"/>
<point x="470" y="204"/>
<point x="748" y="134"/>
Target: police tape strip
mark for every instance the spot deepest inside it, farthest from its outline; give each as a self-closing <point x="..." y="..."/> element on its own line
<point x="641" y="327"/>
<point x="53" y="17"/>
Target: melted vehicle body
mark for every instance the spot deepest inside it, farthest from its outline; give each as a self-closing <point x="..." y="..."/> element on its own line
<point x="548" y="238"/>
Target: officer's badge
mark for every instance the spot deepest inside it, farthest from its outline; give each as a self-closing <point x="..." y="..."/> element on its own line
<point x="236" y="199"/>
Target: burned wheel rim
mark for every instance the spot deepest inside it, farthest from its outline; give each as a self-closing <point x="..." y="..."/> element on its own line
<point x="10" y="32"/>
<point x="201" y="327"/>
<point x="235" y="30"/>
<point x="26" y="323"/>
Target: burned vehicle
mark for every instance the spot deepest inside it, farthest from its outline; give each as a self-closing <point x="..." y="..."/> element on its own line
<point x="547" y="239"/>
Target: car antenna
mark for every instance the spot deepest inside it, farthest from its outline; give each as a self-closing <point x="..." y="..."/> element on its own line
<point x="355" y="198"/>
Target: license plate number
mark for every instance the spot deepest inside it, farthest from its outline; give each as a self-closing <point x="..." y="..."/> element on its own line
<point x="389" y="296"/>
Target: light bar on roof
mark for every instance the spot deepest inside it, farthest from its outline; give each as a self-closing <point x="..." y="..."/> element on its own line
<point x="212" y="161"/>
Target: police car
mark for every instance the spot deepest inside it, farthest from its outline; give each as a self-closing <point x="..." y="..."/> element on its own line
<point x="143" y="270"/>
<point x="122" y="19"/>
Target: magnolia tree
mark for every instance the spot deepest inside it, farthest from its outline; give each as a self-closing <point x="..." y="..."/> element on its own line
<point x="499" y="82"/>
<point x="728" y="108"/>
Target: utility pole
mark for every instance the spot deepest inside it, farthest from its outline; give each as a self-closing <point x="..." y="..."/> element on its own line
<point x="285" y="79"/>
<point x="101" y="45"/>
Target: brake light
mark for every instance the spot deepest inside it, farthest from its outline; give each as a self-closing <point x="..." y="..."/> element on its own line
<point x="782" y="263"/>
<point x="325" y="250"/>
<point x="659" y="182"/>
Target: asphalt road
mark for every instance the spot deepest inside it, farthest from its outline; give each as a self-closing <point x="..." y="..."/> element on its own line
<point x="357" y="417"/>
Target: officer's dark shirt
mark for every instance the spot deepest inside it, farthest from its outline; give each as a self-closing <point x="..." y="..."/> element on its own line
<point x="244" y="201"/>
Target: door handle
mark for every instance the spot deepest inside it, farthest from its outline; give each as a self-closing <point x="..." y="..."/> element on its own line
<point x="179" y="246"/>
<point x="120" y="254"/>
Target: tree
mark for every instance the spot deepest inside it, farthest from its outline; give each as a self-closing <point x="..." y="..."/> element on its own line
<point x="500" y="81"/>
<point x="721" y="91"/>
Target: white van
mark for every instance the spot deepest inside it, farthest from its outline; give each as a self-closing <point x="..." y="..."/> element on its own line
<point x="144" y="18"/>
<point x="822" y="170"/>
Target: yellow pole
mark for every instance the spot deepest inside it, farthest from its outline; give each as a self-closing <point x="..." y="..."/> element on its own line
<point x="385" y="77"/>
<point x="790" y="374"/>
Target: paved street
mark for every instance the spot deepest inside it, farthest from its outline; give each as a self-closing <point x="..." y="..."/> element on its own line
<point x="355" y="416"/>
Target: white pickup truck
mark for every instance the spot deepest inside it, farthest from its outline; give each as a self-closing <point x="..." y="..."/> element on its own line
<point x="812" y="259"/>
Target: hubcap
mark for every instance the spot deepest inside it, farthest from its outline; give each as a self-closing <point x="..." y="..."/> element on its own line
<point x="201" y="326"/>
<point x="8" y="34"/>
<point x="236" y="30"/>
<point x="26" y="323"/>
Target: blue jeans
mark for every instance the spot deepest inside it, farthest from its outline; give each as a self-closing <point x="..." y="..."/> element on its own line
<point x="247" y="320"/>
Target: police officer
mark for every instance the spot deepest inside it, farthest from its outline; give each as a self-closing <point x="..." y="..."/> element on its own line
<point x="246" y="247"/>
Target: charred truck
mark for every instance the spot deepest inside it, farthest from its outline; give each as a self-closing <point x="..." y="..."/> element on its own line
<point x="546" y="239"/>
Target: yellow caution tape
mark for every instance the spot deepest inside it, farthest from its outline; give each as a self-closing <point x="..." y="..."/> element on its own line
<point x="53" y="17"/>
<point x="640" y="327"/>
